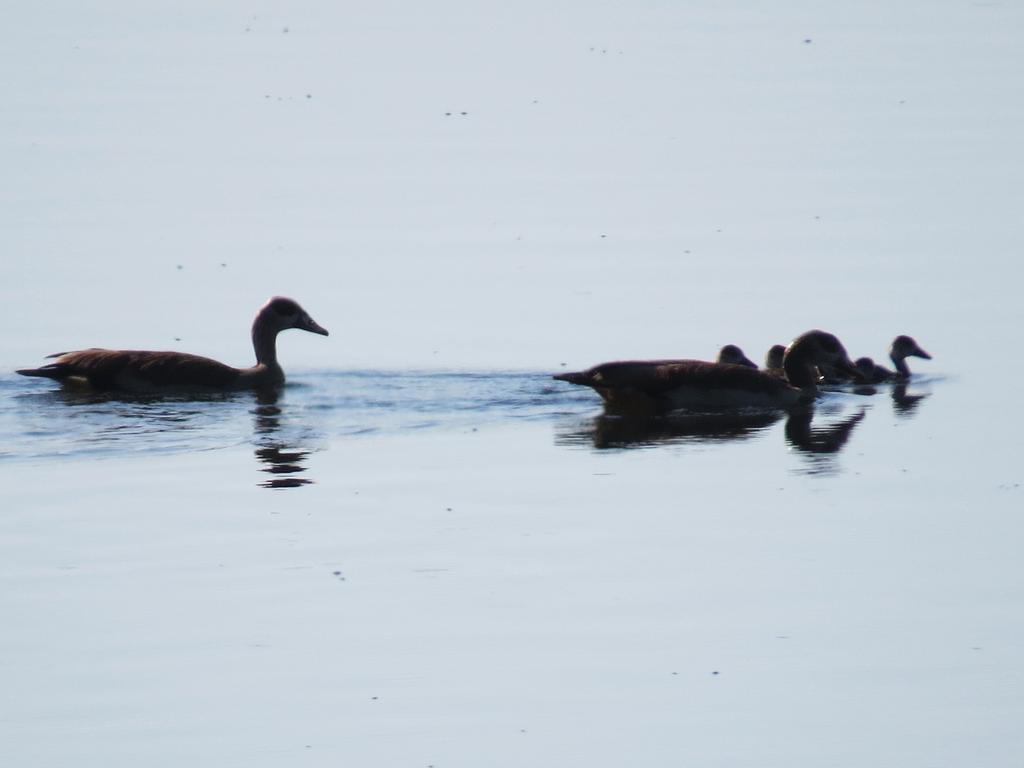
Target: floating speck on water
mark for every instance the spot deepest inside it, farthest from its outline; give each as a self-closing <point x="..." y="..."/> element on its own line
<point x="177" y="338"/>
<point x="180" y="267"/>
<point x="284" y="30"/>
<point x="715" y="672"/>
<point x="807" y="40"/>
<point x="223" y="263"/>
<point x="309" y="95"/>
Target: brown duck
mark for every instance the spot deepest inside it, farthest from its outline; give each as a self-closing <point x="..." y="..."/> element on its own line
<point x="663" y="385"/>
<point x="154" y="372"/>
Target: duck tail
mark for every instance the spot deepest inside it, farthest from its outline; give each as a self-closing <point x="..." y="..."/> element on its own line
<point x="577" y="377"/>
<point x="56" y="371"/>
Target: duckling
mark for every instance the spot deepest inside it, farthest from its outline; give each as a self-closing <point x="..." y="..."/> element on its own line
<point x="733" y="355"/>
<point x="902" y="348"/>
<point x="661" y="385"/>
<point x="773" y="361"/>
<point x="150" y="372"/>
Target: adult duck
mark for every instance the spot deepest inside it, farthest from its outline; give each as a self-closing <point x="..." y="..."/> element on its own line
<point x="154" y="372"/>
<point x="663" y="385"/>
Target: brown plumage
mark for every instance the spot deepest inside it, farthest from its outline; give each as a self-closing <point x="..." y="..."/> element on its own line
<point x="660" y="385"/>
<point x="144" y="371"/>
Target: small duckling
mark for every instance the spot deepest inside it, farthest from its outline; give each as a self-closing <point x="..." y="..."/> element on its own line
<point x="902" y="348"/>
<point x="733" y="355"/>
<point x="773" y="361"/>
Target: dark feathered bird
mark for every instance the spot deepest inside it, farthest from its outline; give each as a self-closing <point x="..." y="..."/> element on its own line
<point x="147" y="372"/>
<point x="668" y="384"/>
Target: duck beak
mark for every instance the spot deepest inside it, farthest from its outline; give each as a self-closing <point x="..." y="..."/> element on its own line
<point x="744" y="360"/>
<point x="918" y="352"/>
<point x="307" y="323"/>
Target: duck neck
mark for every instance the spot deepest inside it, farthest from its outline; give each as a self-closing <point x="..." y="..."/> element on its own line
<point x="264" y="342"/>
<point x="800" y="371"/>
<point x="902" y="371"/>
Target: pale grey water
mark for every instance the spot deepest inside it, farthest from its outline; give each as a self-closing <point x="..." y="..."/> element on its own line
<point x="41" y="422"/>
<point x="426" y="552"/>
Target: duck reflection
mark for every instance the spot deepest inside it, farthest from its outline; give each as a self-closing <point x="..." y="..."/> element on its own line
<point x="616" y="430"/>
<point x="281" y="459"/>
<point x="903" y="403"/>
<point x="818" y="444"/>
<point x="817" y="441"/>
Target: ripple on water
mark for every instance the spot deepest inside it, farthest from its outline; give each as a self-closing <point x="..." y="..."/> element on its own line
<point x="38" y="420"/>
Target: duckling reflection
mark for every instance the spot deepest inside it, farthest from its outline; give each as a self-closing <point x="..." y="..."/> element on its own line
<point x="280" y="459"/>
<point x="904" y="404"/>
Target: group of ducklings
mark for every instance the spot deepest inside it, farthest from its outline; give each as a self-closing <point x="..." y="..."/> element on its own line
<point x="902" y="347"/>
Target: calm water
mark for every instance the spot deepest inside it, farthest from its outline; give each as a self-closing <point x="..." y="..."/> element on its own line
<point x="425" y="552"/>
<point x="42" y="422"/>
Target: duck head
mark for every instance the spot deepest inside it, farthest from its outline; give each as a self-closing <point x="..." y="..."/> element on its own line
<point x="773" y="360"/>
<point x="280" y="314"/>
<point x="733" y="355"/>
<point x="816" y="349"/>
<point x="905" y="346"/>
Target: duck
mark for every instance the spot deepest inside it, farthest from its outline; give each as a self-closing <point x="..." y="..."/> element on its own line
<point x="662" y="385"/>
<point x="139" y="371"/>
<point x="733" y="355"/>
<point x="773" y="361"/>
<point x="902" y="347"/>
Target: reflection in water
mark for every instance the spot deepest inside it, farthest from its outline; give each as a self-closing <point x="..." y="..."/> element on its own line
<point x="621" y="431"/>
<point x="818" y="442"/>
<point x="280" y="459"/>
<point x="904" y="404"/>
<point x="79" y="422"/>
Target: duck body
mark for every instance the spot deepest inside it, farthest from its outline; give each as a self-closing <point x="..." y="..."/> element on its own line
<point x="147" y="372"/>
<point x="872" y="372"/>
<point x="664" y="385"/>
